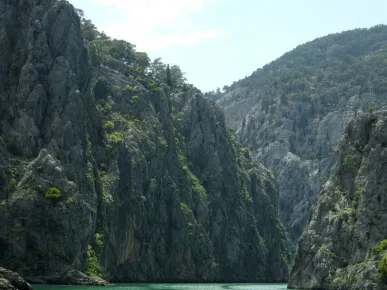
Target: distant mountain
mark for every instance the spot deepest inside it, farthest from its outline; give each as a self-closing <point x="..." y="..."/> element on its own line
<point x="291" y="112"/>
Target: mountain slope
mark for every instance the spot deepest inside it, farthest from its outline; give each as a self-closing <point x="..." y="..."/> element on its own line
<point x="109" y="172"/>
<point x="291" y="112"/>
<point x="343" y="246"/>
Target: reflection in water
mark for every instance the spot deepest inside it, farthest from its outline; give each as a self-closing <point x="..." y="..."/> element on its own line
<point x="168" y="287"/>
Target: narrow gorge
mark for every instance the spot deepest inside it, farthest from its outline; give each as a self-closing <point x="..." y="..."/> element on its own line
<point x="113" y="168"/>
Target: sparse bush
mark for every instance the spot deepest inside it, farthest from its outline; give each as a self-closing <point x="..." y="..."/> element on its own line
<point x="92" y="266"/>
<point x="90" y="177"/>
<point x="349" y="161"/>
<point x="196" y="186"/>
<point x="53" y="193"/>
<point x="109" y="126"/>
<point x="108" y="107"/>
<point x="116" y="137"/>
<point x="98" y="240"/>
<point x="185" y="207"/>
<point x="383" y="270"/>
<point x="69" y="201"/>
<point x="129" y="88"/>
<point x="380" y="247"/>
<point x="162" y="142"/>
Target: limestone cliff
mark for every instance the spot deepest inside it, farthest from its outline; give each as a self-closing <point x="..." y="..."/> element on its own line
<point x="291" y="112"/>
<point x="106" y="171"/>
<point x="343" y="246"/>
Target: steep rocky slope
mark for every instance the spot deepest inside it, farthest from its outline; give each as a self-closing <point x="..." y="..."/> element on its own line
<point x="12" y="281"/>
<point x="291" y="112"/>
<point x="340" y="248"/>
<point x="107" y="171"/>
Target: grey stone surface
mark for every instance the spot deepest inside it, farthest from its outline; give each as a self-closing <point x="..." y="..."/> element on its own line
<point x="335" y="250"/>
<point x="162" y="195"/>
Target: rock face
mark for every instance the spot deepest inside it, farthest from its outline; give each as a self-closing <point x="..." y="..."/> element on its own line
<point x="12" y="281"/>
<point x="291" y="112"/>
<point x="337" y="249"/>
<point x="109" y="173"/>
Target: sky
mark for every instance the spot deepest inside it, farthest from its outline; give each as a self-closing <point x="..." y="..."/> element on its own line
<point x="217" y="42"/>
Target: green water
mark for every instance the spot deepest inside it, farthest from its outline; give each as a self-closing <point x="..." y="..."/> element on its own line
<point x="168" y="287"/>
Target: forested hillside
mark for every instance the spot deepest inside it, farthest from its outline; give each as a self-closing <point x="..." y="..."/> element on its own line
<point x="291" y="112"/>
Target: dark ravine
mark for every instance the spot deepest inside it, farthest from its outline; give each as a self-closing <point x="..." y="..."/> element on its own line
<point x="340" y="248"/>
<point x="111" y="173"/>
<point x="291" y="112"/>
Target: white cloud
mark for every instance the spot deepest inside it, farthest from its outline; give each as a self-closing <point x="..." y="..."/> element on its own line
<point x="156" y="24"/>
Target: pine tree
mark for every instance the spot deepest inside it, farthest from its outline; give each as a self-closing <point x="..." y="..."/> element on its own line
<point x="169" y="80"/>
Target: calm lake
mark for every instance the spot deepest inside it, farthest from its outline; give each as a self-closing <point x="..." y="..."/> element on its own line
<point x="168" y="287"/>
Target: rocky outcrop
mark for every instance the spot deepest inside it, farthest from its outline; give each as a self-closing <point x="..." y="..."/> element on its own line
<point x="12" y="281"/>
<point x="291" y="112"/>
<point x="107" y="172"/>
<point x="339" y="248"/>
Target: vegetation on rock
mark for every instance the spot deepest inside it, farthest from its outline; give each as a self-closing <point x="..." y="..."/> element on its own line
<point x="53" y="193"/>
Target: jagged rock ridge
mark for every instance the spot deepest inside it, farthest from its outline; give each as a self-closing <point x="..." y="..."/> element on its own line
<point x="339" y="248"/>
<point x="107" y="171"/>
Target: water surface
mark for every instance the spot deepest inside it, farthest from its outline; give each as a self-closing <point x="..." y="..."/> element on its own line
<point x="234" y="286"/>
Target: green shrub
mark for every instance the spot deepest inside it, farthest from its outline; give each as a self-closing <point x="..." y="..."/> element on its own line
<point x="53" y="193"/>
<point x="137" y="123"/>
<point x="92" y="266"/>
<point x="140" y="80"/>
<point x="153" y="86"/>
<point x="349" y="161"/>
<point x="143" y="198"/>
<point x="162" y="142"/>
<point x="116" y="137"/>
<point x="380" y="247"/>
<point x="182" y="159"/>
<point x="383" y="270"/>
<point x="109" y="126"/>
<point x="98" y="240"/>
<point x="69" y="201"/>
<point x="108" y="107"/>
<point x="135" y="98"/>
<point x="90" y="177"/>
<point x="196" y="186"/>
<point x="185" y="207"/>
<point x="129" y="88"/>
<point x="371" y="108"/>
<point x="179" y="116"/>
